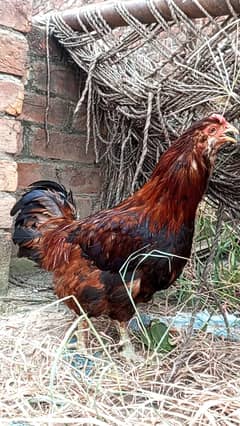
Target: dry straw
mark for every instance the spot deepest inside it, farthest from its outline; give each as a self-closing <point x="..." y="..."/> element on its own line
<point x="197" y="384"/>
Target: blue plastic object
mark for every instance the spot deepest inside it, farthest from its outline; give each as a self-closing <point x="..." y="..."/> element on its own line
<point x="212" y="323"/>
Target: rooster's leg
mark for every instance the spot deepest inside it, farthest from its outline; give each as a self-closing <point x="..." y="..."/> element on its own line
<point x="127" y="349"/>
<point x="81" y="335"/>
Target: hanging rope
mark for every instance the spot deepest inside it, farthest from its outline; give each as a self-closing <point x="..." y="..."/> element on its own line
<point x="146" y="83"/>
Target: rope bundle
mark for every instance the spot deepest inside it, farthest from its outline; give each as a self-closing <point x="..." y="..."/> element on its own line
<point x="146" y="84"/>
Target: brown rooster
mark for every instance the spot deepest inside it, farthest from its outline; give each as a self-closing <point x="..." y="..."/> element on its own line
<point x="86" y="255"/>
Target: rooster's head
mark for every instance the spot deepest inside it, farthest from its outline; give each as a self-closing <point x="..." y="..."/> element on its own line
<point x="211" y="134"/>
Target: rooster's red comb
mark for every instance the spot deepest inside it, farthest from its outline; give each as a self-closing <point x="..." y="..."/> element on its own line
<point x="220" y="118"/>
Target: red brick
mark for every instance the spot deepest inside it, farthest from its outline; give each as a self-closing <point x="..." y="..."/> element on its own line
<point x="34" y="109"/>
<point x="13" y="53"/>
<point x="10" y="136"/>
<point x="84" y="206"/>
<point x="50" y="5"/>
<point x="82" y="180"/>
<point x="79" y="121"/>
<point x="12" y="93"/>
<point x="63" y="146"/>
<point x="6" y="201"/>
<point x="8" y="175"/>
<point x="16" y="14"/>
<point x="29" y="172"/>
<point x="37" y="44"/>
<point x="63" y="79"/>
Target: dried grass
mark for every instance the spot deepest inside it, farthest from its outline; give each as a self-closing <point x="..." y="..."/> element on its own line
<point x="197" y="384"/>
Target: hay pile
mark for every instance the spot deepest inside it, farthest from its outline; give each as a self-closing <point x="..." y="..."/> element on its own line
<point x="197" y="384"/>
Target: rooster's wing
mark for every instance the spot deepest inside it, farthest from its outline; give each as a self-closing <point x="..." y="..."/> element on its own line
<point x="109" y="237"/>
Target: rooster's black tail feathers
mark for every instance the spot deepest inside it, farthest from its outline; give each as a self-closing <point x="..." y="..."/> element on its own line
<point x="42" y="201"/>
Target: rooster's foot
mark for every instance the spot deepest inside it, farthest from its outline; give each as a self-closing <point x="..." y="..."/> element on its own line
<point x="127" y="350"/>
<point x="78" y="341"/>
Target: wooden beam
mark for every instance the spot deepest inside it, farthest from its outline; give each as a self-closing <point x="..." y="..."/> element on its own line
<point x="140" y="10"/>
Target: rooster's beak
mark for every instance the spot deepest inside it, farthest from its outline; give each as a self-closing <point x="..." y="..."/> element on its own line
<point x="230" y="129"/>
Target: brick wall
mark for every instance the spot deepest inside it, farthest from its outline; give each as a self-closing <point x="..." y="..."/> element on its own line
<point x="40" y="7"/>
<point x="26" y="153"/>
<point x="58" y="152"/>
<point x="15" y="18"/>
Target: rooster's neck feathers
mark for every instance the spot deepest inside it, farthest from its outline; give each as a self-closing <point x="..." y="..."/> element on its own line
<point x="170" y="198"/>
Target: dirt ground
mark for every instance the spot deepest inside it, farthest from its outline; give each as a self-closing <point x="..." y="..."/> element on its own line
<point x="29" y="287"/>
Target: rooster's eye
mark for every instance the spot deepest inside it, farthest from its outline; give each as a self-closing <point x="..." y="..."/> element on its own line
<point x="212" y="130"/>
